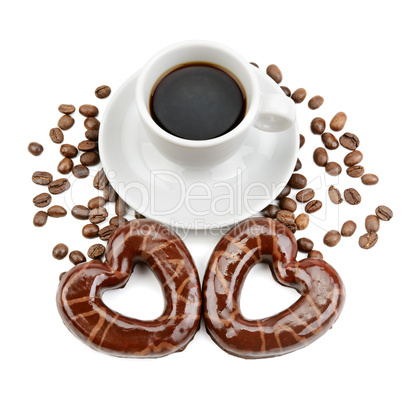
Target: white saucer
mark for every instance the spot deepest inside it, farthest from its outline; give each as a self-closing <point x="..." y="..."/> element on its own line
<point x="216" y="196"/>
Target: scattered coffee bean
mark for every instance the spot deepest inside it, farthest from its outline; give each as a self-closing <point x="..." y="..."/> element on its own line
<point x="302" y="140"/>
<point x="89" y="158"/>
<point x="42" y="200"/>
<point x="315" y="102"/>
<point x="92" y="135"/>
<point x="349" y="141"/>
<point x="320" y="156"/>
<point x="315" y="254"/>
<point x="297" y="181"/>
<point x="302" y="221"/>
<point x="254" y="64"/>
<point x="299" y="95"/>
<point x="317" y="125"/>
<point x="270" y="210"/>
<point x="305" y="245"/>
<point x="80" y="212"/>
<point x="119" y="220"/>
<point x="333" y="168"/>
<point x="88" y="110"/>
<point x="61" y="275"/>
<point x="313" y="206"/>
<point x="348" y="229"/>
<point x="368" y="240"/>
<point x="372" y="223"/>
<point x="100" y="180"/>
<point x="98" y="215"/>
<point x="42" y="178"/>
<point x="65" y="122"/>
<point x="88" y="145"/>
<point x="384" y="213"/>
<point x="329" y="141"/>
<point x="68" y="150"/>
<point x="275" y="73"/>
<point x="40" y="218"/>
<point x="305" y="195"/>
<point x="66" y="109"/>
<point x="352" y="196"/>
<point x="335" y="195"/>
<point x="56" y="135"/>
<point x="109" y="194"/>
<point x="106" y="232"/>
<point x="286" y="90"/>
<point x="35" y="148"/>
<point x="90" y="231"/>
<point x="353" y="158"/>
<point x="369" y="179"/>
<point x="298" y="165"/>
<point x="65" y="166"/>
<point x="96" y="202"/>
<point x="288" y="204"/>
<point x="120" y="207"/>
<point x="332" y="238"/>
<point x="56" y="211"/>
<point x="338" y="121"/>
<point x="92" y="123"/>
<point x="102" y="92"/>
<point x="60" y="251"/>
<point x="58" y="186"/>
<point x="285" y="216"/>
<point x="355" y="171"/>
<point x="96" y="251"/>
<point x="76" y="257"/>
<point x="284" y="193"/>
<point x="80" y="171"/>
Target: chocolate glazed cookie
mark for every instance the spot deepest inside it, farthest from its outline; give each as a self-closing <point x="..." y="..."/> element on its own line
<point x="79" y="296"/>
<point x="265" y="240"/>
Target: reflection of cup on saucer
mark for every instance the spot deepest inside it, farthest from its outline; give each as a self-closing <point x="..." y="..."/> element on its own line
<point x="268" y="112"/>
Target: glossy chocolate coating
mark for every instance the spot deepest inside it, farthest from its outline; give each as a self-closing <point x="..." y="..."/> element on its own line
<point x="256" y="240"/>
<point x="79" y="296"/>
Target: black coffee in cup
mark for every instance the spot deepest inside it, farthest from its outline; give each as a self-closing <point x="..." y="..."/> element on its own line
<point x="198" y="101"/>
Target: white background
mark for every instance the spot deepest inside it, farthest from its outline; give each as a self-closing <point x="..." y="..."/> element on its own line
<point x="58" y="52"/>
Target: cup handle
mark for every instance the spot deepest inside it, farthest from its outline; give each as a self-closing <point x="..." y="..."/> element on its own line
<point x="277" y="112"/>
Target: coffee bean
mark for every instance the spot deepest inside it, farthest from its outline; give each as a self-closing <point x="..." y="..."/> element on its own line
<point x="338" y="121"/>
<point x="80" y="212"/>
<point x="275" y="73"/>
<point x="297" y="181"/>
<point x="254" y="64"/>
<point x="299" y="95"/>
<point x="56" y="135"/>
<point x="305" y="195"/>
<point x="96" y="202"/>
<point x="317" y="125"/>
<point x="56" y="211"/>
<point x="90" y="231"/>
<point x="369" y="179"/>
<point x="76" y="257"/>
<point x="384" y="213"/>
<point x="65" y="122"/>
<point x="102" y="92"/>
<point x="80" y="171"/>
<point x="317" y="255"/>
<point x="355" y="171"/>
<point x="106" y="232"/>
<point x="302" y="221"/>
<point x="89" y="158"/>
<point x="335" y="195"/>
<point x="333" y="168"/>
<point x="320" y="156"/>
<point x="298" y="165"/>
<point x="92" y="123"/>
<point x="42" y="200"/>
<point x="315" y="102"/>
<point x="58" y="186"/>
<point x="109" y="194"/>
<point x="313" y="206"/>
<point x="329" y="141"/>
<point x="120" y="207"/>
<point x="285" y="216"/>
<point x="372" y="223"/>
<point x="42" y="178"/>
<point x="118" y="221"/>
<point x="332" y="238"/>
<point x="35" y="148"/>
<point x="61" y="275"/>
<point x="65" y="166"/>
<point x="270" y="210"/>
<point x="349" y="141"/>
<point x="88" y="145"/>
<point x="286" y="90"/>
<point x="305" y="245"/>
<point x="68" y="150"/>
<point x="92" y="135"/>
<point x="288" y="204"/>
<point x="302" y="140"/>
<point x="98" y="215"/>
<point x="40" y="218"/>
<point x="368" y="240"/>
<point x="348" y="228"/>
<point x="284" y="193"/>
<point x="353" y="158"/>
<point x="88" y="110"/>
<point x="100" y="180"/>
<point x="66" y="109"/>
<point x="352" y="196"/>
<point x="96" y="251"/>
<point x="60" y="251"/>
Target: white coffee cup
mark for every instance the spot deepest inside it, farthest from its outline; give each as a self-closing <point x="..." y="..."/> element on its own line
<point x="266" y="112"/>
